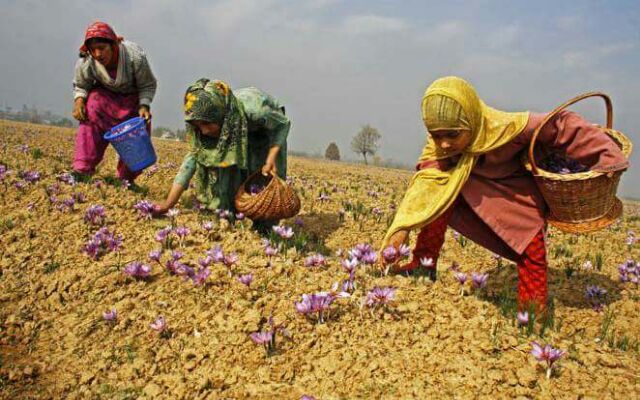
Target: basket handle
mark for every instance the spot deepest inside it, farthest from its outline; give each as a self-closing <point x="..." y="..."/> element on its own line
<point x="608" y="104"/>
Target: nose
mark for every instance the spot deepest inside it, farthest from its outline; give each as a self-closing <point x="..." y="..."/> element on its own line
<point x="445" y="145"/>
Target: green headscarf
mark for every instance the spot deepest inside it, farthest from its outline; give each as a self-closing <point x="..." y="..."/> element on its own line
<point x="213" y="101"/>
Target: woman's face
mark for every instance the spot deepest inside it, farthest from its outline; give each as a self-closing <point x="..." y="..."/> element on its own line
<point x="207" y="128"/>
<point x="101" y="52"/>
<point x="452" y="141"/>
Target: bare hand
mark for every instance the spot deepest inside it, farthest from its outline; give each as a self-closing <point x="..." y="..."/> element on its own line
<point x="160" y="208"/>
<point x="144" y="112"/>
<point x="79" y="110"/>
<point x="268" y="168"/>
<point x="396" y="240"/>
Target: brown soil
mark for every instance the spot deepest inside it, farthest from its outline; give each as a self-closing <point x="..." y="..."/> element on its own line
<point x="432" y="343"/>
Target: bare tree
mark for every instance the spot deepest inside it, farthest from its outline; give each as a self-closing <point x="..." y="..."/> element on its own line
<point x="332" y="152"/>
<point x="366" y="141"/>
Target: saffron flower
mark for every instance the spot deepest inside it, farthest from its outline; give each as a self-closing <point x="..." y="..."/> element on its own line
<point x="350" y="265"/>
<point x="240" y="216"/>
<point x="145" y="209"/>
<point x="547" y="355"/>
<point x="181" y="232"/>
<point x="95" y="215"/>
<point x="246" y="279"/>
<point x="523" y="318"/>
<point x="103" y="241"/>
<point x="155" y="255"/>
<point x="173" y="213"/>
<point x="263" y="338"/>
<point x="315" y="260"/>
<point x="207" y="226"/>
<point x="479" y="280"/>
<point x="66" y="178"/>
<point x="159" y="325"/>
<point x="201" y="276"/>
<point x="380" y="296"/>
<point x="30" y="176"/>
<point x="427" y="262"/>
<point x="596" y="296"/>
<point x="390" y="255"/>
<point x="110" y="316"/>
<point x="137" y="270"/>
<point x="162" y="235"/>
<point x="461" y="277"/>
<point x="216" y="254"/>
<point x="284" y="232"/>
<point x="316" y="303"/>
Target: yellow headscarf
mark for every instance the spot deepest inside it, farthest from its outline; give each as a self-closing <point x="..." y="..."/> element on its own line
<point x="452" y="103"/>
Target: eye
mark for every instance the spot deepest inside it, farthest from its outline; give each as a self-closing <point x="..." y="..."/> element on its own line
<point x="453" y="135"/>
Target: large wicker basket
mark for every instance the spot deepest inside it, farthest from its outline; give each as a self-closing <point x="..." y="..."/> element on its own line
<point x="275" y="201"/>
<point x="585" y="201"/>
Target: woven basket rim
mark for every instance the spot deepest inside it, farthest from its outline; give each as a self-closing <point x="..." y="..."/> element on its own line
<point x="626" y="146"/>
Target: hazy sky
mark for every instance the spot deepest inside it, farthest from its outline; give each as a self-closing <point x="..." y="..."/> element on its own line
<point x="337" y="65"/>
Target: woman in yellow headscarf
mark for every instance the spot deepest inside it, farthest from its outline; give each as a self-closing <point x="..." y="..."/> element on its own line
<point x="470" y="177"/>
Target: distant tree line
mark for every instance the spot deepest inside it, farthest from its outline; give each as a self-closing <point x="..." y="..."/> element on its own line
<point x="35" y="116"/>
<point x="169" y="134"/>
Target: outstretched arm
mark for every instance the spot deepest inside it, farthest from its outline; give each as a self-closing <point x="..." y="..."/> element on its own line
<point x="180" y="184"/>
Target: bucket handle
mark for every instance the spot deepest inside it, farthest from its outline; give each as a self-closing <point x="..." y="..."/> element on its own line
<point x="608" y="104"/>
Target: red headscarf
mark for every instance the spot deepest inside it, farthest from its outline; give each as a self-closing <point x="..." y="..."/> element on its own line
<point x="99" y="30"/>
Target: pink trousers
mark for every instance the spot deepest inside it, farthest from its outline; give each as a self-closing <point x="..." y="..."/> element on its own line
<point x="105" y="109"/>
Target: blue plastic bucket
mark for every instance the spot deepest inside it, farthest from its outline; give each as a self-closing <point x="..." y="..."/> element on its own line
<point x="133" y="144"/>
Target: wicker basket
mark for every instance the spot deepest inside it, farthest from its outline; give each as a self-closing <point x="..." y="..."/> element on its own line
<point x="584" y="201"/>
<point x="276" y="201"/>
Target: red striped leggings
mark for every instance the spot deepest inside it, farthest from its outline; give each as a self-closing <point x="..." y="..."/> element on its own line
<point x="532" y="263"/>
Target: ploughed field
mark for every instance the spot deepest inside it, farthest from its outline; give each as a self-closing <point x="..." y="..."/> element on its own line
<point x="66" y="265"/>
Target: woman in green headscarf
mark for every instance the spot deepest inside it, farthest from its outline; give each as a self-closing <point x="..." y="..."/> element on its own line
<point x="232" y="135"/>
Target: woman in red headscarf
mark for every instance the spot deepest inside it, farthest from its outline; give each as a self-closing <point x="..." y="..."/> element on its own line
<point x="113" y="82"/>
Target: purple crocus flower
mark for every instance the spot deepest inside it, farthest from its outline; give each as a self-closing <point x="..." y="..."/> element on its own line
<point x="479" y="280"/>
<point x="95" y="215"/>
<point x="66" y="178"/>
<point x="523" y="318"/>
<point x="182" y="232"/>
<point x="284" y="232"/>
<point x="230" y="259"/>
<point x="30" y="176"/>
<point x="205" y="262"/>
<point x="390" y="255"/>
<point x="316" y="303"/>
<point x="137" y="269"/>
<point x="201" y="276"/>
<point x="299" y="222"/>
<point x="596" y="296"/>
<point x="20" y="185"/>
<point x="349" y="265"/>
<point x="246" y="279"/>
<point x="159" y="325"/>
<point x="546" y="354"/>
<point x="240" y="216"/>
<point x="163" y="234"/>
<point x="207" y="226"/>
<point x="427" y="262"/>
<point x="92" y="249"/>
<point x="176" y="255"/>
<point x="216" y="254"/>
<point x="404" y="251"/>
<point x="263" y="338"/>
<point x="315" y="260"/>
<point x="79" y="197"/>
<point x="224" y="214"/>
<point x="110" y="316"/>
<point x="307" y="397"/>
<point x="369" y="258"/>
<point x="173" y="213"/>
<point x="155" y="255"/>
<point x="323" y="197"/>
<point x="461" y="277"/>
<point x="145" y="209"/>
<point x="270" y="251"/>
<point x="380" y="296"/>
